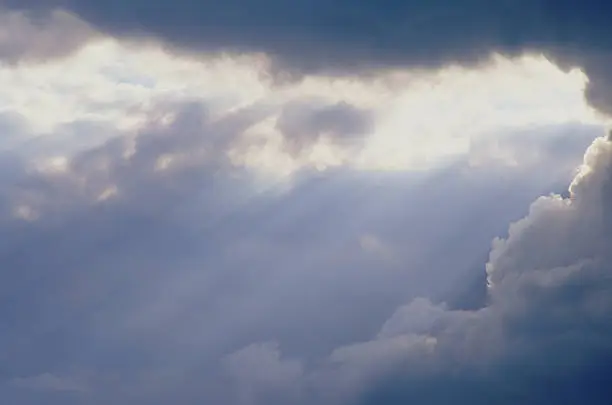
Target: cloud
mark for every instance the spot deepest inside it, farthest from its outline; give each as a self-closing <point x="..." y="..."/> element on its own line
<point x="403" y="120"/>
<point x="543" y="334"/>
<point x="523" y="150"/>
<point x="261" y="376"/>
<point x="372" y="245"/>
<point x="147" y="239"/>
<point x="25" y="38"/>
<point x="150" y="257"/>
<point x="546" y="321"/>
<point x="305" y="122"/>
<point x="336" y="36"/>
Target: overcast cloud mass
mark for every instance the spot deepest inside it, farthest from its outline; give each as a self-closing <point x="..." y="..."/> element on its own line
<point x="331" y="202"/>
<point x="341" y="36"/>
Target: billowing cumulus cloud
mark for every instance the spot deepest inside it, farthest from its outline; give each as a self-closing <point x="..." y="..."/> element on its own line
<point x="543" y="334"/>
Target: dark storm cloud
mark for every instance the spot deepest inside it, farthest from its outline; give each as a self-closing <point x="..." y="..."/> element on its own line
<point x="341" y="36"/>
<point x="328" y="32"/>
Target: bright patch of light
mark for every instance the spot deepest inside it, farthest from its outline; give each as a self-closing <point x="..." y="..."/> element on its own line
<point x="107" y="193"/>
<point x="420" y="117"/>
<point x="25" y="213"/>
<point x="439" y="114"/>
<point x="56" y="164"/>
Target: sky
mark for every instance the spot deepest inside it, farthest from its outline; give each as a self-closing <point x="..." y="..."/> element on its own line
<point x="333" y="202"/>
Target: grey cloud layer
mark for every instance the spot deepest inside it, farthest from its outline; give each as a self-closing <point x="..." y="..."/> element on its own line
<point x="25" y="38"/>
<point x="176" y="287"/>
<point x="187" y="286"/>
<point x="306" y="121"/>
<point x="346" y="36"/>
